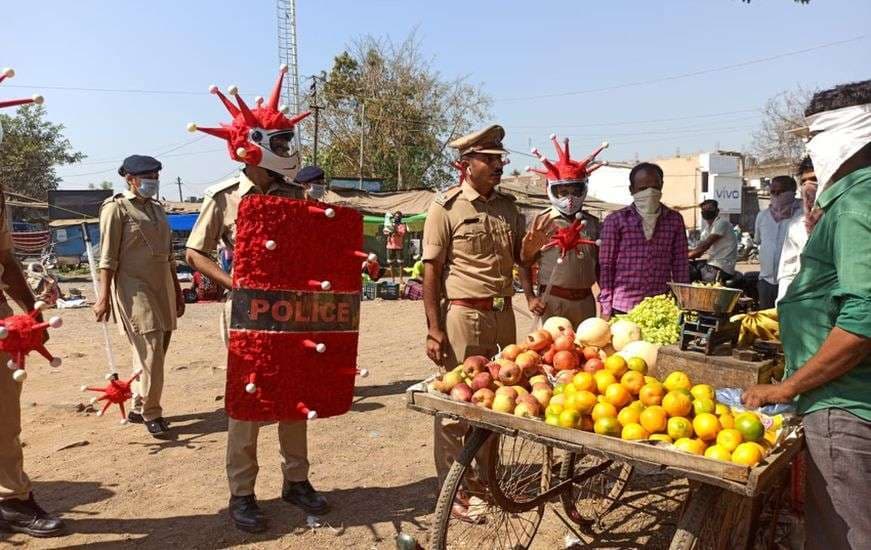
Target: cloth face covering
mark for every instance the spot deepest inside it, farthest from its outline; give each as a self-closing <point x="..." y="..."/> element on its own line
<point x="148" y="187"/>
<point x="781" y="206"/>
<point x="568" y="205"/>
<point x="647" y="202"/>
<point x="317" y="191"/>
<point x="840" y="134"/>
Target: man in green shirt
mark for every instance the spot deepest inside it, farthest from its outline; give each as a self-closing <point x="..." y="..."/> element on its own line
<point x="825" y="324"/>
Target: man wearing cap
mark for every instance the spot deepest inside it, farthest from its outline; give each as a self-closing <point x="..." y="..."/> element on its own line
<point x="719" y="241"/>
<point x="471" y="241"/>
<point x="138" y="282"/>
<point x="312" y="179"/>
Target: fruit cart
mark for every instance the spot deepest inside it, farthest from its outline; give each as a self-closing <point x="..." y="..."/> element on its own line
<point x="511" y="467"/>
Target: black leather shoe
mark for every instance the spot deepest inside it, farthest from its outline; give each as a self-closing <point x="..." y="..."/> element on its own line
<point x="157" y="427"/>
<point x="25" y="516"/>
<point x="246" y="515"/>
<point x="303" y="495"/>
<point x="135" y="418"/>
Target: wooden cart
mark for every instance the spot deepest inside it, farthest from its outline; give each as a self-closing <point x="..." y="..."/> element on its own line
<point x="510" y="467"/>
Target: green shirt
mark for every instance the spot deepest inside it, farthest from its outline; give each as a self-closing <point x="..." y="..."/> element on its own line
<point x="833" y="289"/>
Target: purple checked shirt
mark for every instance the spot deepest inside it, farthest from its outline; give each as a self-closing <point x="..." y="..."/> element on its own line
<point x="631" y="267"/>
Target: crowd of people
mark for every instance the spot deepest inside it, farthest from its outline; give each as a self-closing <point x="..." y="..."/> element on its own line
<point x="815" y="262"/>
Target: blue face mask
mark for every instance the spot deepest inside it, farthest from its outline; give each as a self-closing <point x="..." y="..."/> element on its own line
<point x="148" y="188"/>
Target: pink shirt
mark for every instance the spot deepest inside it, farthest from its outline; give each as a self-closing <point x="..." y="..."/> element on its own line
<point x="396" y="239"/>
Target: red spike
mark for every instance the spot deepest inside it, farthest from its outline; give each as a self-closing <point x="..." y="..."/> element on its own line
<point x="538" y="171"/>
<point x="549" y="165"/>
<point x="296" y="118"/>
<point x="15" y="102"/>
<point x="105" y="407"/>
<point x="222" y="133"/>
<point x="276" y="90"/>
<point x="249" y="117"/>
<point x="566" y="147"/>
<point x="230" y="107"/>
<point x="595" y="166"/>
<point x="595" y="153"/>
<point x="559" y="150"/>
<point x="123" y="412"/>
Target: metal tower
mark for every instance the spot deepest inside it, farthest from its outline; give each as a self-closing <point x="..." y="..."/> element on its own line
<point x="287" y="53"/>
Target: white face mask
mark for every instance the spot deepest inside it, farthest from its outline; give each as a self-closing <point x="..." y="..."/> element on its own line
<point x="148" y="188"/>
<point x="317" y="191"/>
<point x="568" y="205"/>
<point x="843" y="132"/>
<point x="647" y="201"/>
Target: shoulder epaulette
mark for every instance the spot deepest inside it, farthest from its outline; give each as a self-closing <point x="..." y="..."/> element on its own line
<point x="213" y="190"/>
<point x="445" y="196"/>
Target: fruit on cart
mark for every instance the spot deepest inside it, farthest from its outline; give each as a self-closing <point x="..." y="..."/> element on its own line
<point x="552" y="420"/>
<point x="557" y="326"/>
<point x="661" y="437"/>
<point x="509" y="372"/>
<point x="659" y="319"/>
<point x="607" y="425"/>
<point x="750" y="426"/>
<point x="677" y="403"/>
<point x="729" y="439"/>
<point x="527" y="407"/>
<point x="628" y="415"/>
<point x="481" y="380"/>
<point x="616" y="365"/>
<point x="624" y="331"/>
<point x="747" y="454"/>
<point x="511" y="352"/>
<point x="603" y="379"/>
<point x="569" y="418"/>
<point x="633" y="381"/>
<point x="529" y="362"/>
<point x="690" y="445"/>
<point x="584" y="381"/>
<point x="593" y="365"/>
<point x="642" y="349"/>
<point x="654" y="419"/>
<point x="581" y="401"/>
<point x="593" y="332"/>
<point x="590" y="352"/>
<point x="564" y="342"/>
<point x="679" y="428"/>
<point x="450" y="380"/>
<point x="474" y="365"/>
<point x="564" y="377"/>
<point x="677" y="380"/>
<point x="539" y="340"/>
<point x="603" y="410"/>
<point x="703" y="391"/>
<point x="637" y="364"/>
<point x="718" y="452"/>
<point x="704" y="405"/>
<point x="461" y="392"/>
<point x="706" y="426"/>
<point x="618" y="395"/>
<point x="504" y="402"/>
<point x="634" y="432"/>
<point x="542" y="393"/>
<point x="651" y="393"/>
<point x="727" y="420"/>
<point x="484" y="397"/>
<point x="566" y="360"/>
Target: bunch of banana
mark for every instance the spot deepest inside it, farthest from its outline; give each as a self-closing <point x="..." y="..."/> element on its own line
<point x="712" y="284"/>
<point x="758" y="324"/>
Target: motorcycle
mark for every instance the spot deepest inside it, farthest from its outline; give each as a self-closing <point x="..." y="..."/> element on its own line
<point x="747" y="249"/>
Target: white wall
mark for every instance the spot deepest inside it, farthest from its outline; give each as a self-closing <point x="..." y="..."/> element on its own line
<point x="611" y="184"/>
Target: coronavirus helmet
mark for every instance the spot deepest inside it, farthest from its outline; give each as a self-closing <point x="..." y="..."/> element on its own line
<point x="9" y="73"/>
<point x="262" y="136"/>
<point x="566" y="171"/>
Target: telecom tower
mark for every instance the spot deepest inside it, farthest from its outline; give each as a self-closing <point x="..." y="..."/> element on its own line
<point x="287" y="53"/>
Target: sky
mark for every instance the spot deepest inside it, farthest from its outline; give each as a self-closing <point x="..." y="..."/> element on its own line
<point x="610" y="70"/>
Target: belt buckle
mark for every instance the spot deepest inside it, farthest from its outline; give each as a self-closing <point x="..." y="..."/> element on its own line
<point x="499" y="303"/>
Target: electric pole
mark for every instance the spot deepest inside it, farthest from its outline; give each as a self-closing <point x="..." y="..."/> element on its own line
<point x="317" y="109"/>
<point x="178" y="182"/>
<point x="362" y="135"/>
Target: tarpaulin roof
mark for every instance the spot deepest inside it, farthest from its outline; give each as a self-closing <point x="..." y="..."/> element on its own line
<point x="182" y="222"/>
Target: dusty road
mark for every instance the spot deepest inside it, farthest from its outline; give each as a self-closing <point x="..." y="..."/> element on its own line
<point x="118" y="487"/>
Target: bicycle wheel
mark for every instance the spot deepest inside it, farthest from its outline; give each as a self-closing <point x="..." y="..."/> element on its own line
<point x="492" y="526"/>
<point x="587" y="501"/>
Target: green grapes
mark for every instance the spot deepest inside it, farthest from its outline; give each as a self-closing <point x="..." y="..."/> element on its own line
<point x="659" y="318"/>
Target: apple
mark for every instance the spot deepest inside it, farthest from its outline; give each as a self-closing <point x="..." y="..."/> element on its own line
<point x="527" y="406"/>
<point x="528" y="362"/>
<point x="565" y="376"/>
<point x="542" y="393"/>
<point x="557" y="326"/>
<point x="493" y="367"/>
<point x="503" y="403"/>
<point x="564" y="342"/>
<point x="451" y="379"/>
<point x="511" y="351"/>
<point x="548" y="356"/>
<point x="593" y="365"/>
<point x="565" y="360"/>
<point x="539" y="379"/>
<point x="484" y="398"/>
<point x="590" y="353"/>
<point x="520" y="391"/>
<point x="510" y="373"/>
<point x="539" y="340"/>
<point x="507" y="390"/>
<point x="474" y="364"/>
<point x="461" y="392"/>
<point x="481" y="380"/>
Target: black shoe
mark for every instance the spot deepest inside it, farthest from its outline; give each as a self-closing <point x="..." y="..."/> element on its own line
<point x="303" y="495"/>
<point x="157" y="427"/>
<point x="246" y="515"/>
<point x="135" y="418"/>
<point x="25" y="516"/>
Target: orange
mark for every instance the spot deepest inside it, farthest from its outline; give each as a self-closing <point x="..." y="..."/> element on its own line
<point x="634" y="432"/>
<point x="616" y="365"/>
<point x="558" y="389"/>
<point x="750" y="426"/>
<point x="559" y="400"/>
<point x="602" y="410"/>
<point x="603" y="380"/>
<point x="727" y="421"/>
<point x="706" y="426"/>
<point x="718" y="452"/>
<point x="628" y="415"/>
<point x="651" y="393"/>
<point x="618" y="395"/>
<point x="569" y="389"/>
<point x="722" y="409"/>
<point x="679" y="427"/>
<point x="703" y="391"/>
<point x="632" y="381"/>
<point x="586" y="423"/>
<point x="677" y="380"/>
<point x="692" y="446"/>
<point x="703" y="405"/>
<point x="607" y="425"/>
<point x="584" y="401"/>
<point x="551" y="419"/>
<point x="637" y="364"/>
<point x="553" y="410"/>
<point x="661" y="437"/>
<point x="729" y="439"/>
<point x="569" y="418"/>
<point x="636" y="405"/>
<point x="654" y="419"/>
<point x="583" y="381"/>
<point x="677" y="403"/>
<point x="651" y="380"/>
<point x="747" y="454"/>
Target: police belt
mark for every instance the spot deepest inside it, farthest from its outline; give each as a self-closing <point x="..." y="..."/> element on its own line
<point x="483" y="304"/>
<point x="573" y="294"/>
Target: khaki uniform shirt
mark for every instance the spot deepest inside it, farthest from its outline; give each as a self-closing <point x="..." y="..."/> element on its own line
<point x="136" y="244"/>
<point x="217" y="220"/>
<point x="5" y="243"/>
<point x="578" y="270"/>
<point x="477" y="239"/>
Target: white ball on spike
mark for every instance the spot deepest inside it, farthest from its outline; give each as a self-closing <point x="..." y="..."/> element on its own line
<point x="553" y="136"/>
<point x="99" y="413"/>
<point x="233" y="89"/>
<point x="83" y="387"/>
<point x="192" y="127"/>
<point x="250" y="387"/>
<point x="20" y="375"/>
<point x="55" y="362"/>
<point x="283" y="109"/>
<point x="283" y="68"/>
<point x="11" y="365"/>
<point x="363" y="373"/>
<point x="109" y="375"/>
<point x="330" y="213"/>
<point x="55" y="322"/>
<point x="8" y="72"/>
<point x="270" y="245"/>
<point x="312" y="415"/>
<point x="559" y="260"/>
<point x="4" y="332"/>
<point x="38" y="99"/>
<point x="321" y="347"/>
<point x="372" y="257"/>
<point x="213" y="89"/>
<point x="326" y="285"/>
<point x="258" y="100"/>
<point x="241" y="152"/>
<point x="40" y="305"/>
<point x="598" y="242"/>
<point x="93" y="401"/>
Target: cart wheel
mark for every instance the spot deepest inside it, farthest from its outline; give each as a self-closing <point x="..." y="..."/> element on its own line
<point x="589" y="500"/>
<point x="518" y="471"/>
<point x="492" y="526"/>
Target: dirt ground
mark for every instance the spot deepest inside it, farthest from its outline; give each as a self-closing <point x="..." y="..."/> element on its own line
<point x="117" y="487"/>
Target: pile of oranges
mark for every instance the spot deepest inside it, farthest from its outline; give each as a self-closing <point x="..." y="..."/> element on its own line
<point x="620" y="400"/>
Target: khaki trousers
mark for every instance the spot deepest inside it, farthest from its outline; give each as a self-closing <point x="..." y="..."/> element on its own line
<point x="575" y="311"/>
<point x="242" y="435"/>
<point x="470" y="332"/>
<point x="14" y="483"/>
<point x="149" y="353"/>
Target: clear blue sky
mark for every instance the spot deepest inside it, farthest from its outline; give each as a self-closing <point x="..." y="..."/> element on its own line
<point x="512" y="48"/>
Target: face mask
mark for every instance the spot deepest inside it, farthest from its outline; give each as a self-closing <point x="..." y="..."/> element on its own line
<point x="317" y="191"/>
<point x="148" y="188"/>
<point x="568" y="205"/>
<point x="647" y="201"/>
<point x="842" y="133"/>
<point x="781" y="206"/>
<point x="808" y="195"/>
<point x="709" y="215"/>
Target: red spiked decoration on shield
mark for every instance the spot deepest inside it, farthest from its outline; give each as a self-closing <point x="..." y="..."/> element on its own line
<point x="569" y="238"/>
<point x="565" y="169"/>
<point x="116" y="392"/>
<point x="20" y="334"/>
<point x="9" y="73"/>
<point x="295" y="311"/>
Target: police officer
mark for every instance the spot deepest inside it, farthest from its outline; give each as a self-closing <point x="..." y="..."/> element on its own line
<point x="312" y="179"/>
<point x="471" y="241"/>
<point x="138" y="277"/>
<point x="217" y="223"/>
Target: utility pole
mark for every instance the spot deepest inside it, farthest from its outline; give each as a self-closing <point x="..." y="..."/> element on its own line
<point x="178" y="182"/>
<point x="317" y="109"/>
<point x="362" y="135"/>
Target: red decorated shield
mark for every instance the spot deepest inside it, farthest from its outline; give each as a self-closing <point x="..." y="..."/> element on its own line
<point x="295" y="311"/>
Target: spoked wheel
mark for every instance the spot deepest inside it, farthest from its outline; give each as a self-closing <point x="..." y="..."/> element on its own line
<point x="513" y="469"/>
<point x="591" y="498"/>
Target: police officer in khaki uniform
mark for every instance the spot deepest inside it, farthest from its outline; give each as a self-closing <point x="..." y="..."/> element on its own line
<point x="471" y="241"/>
<point x="217" y="223"/>
<point x="138" y="278"/>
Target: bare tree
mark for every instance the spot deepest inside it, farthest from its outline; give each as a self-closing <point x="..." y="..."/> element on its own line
<point x="781" y="113"/>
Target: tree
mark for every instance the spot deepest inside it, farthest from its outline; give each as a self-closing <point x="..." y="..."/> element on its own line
<point x="403" y="109"/>
<point x="782" y="113"/>
<point x="32" y="147"/>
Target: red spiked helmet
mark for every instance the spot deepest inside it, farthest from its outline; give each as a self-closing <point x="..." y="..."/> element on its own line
<point x="9" y="73"/>
<point x="262" y="136"/>
<point x="566" y="170"/>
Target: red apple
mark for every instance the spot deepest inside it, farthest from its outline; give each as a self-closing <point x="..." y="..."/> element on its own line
<point x="592" y="365"/>
<point x="548" y="356"/>
<point x="481" y="380"/>
<point x="461" y="392"/>
<point x="542" y="393"/>
<point x="451" y="379"/>
<point x="474" y="364"/>
<point x="507" y="390"/>
<point x="565" y="377"/>
<point x="590" y="353"/>
<point x="565" y="360"/>
<point x="538" y="379"/>
<point x="484" y="398"/>
<point x="528" y="362"/>
<point x="511" y="352"/>
<point x="510" y="373"/>
<point x="493" y="368"/>
<point x="503" y="403"/>
<point x="564" y="342"/>
<point x="527" y="406"/>
<point x="539" y="340"/>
